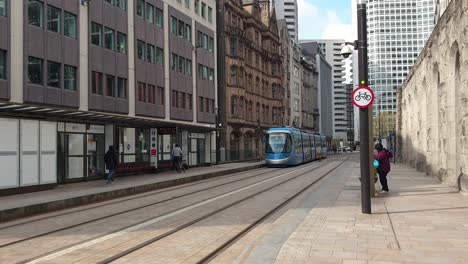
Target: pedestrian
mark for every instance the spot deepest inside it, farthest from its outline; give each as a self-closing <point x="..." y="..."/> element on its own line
<point x="111" y="161"/>
<point x="383" y="156"/>
<point x="177" y="156"/>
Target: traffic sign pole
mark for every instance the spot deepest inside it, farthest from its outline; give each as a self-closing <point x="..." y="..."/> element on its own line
<point x="364" y="112"/>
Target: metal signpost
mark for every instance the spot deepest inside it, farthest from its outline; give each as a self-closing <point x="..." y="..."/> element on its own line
<point x="364" y="111"/>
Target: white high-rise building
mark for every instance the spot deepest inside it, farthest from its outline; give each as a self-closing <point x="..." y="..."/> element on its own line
<point x="397" y="32"/>
<point x="287" y="9"/>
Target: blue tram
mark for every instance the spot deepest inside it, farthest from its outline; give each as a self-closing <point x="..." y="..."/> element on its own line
<point x="287" y="146"/>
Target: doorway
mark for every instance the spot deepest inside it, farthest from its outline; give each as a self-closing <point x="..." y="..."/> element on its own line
<point x="197" y="150"/>
<point x="81" y="156"/>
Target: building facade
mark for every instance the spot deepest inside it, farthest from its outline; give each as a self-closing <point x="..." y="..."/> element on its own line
<point x="253" y="73"/>
<point x="288" y="10"/>
<point x="324" y="88"/>
<point x="397" y="32"/>
<point x="350" y="109"/>
<point x="432" y="105"/>
<point x="310" y="111"/>
<point x="285" y="53"/>
<point x="136" y="74"/>
<point x="295" y="84"/>
<point x="332" y="51"/>
<point x="325" y="96"/>
<point x="441" y="5"/>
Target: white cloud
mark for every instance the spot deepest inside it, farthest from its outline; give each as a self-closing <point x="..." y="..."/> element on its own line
<point x="326" y="24"/>
<point x="309" y="20"/>
<point x="335" y="29"/>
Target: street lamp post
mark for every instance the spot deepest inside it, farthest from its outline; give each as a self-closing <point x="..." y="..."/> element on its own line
<point x="361" y="46"/>
<point x="364" y="112"/>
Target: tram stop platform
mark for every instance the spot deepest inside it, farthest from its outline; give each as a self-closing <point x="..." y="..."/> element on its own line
<point x="82" y="193"/>
<point x="419" y="221"/>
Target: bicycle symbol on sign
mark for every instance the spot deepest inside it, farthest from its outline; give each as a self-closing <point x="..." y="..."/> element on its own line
<point x="364" y="96"/>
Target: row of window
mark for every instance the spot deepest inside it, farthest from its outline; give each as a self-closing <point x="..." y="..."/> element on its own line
<point x="203" y="10"/>
<point x="205" y="73"/>
<point x="262" y="64"/>
<point x="53" y="73"/>
<point x="238" y="107"/>
<point x="122" y="4"/>
<point x="147" y="94"/>
<point x="111" y="89"/>
<point x="206" y="105"/>
<point x="181" y="64"/>
<point x="150" y="53"/>
<point x="187" y="3"/>
<point x="185" y="101"/>
<point x="182" y="100"/>
<point x="54" y="19"/>
<point x="110" y="37"/>
<point x="152" y="14"/>
<point x="181" y="29"/>
<point x="237" y="79"/>
<point x="3" y="64"/>
<point x="205" y="41"/>
<point x="3" y="8"/>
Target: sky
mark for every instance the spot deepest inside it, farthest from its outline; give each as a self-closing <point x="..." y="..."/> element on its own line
<point x="325" y="19"/>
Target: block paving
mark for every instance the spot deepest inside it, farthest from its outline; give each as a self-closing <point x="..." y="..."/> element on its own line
<point x="418" y="221"/>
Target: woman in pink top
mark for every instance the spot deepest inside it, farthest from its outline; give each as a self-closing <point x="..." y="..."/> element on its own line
<point x="383" y="156"/>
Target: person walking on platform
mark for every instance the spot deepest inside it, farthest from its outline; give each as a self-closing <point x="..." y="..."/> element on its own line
<point x="177" y="157"/>
<point x="111" y="161"/>
<point x="383" y="156"/>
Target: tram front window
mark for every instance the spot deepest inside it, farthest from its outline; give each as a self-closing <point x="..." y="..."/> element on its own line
<point x="278" y="143"/>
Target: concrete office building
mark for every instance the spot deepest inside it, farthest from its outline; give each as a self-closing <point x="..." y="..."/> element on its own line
<point x="325" y="97"/>
<point x="295" y="84"/>
<point x="310" y="111"/>
<point x="287" y="9"/>
<point x="331" y="49"/>
<point x="397" y="32"/>
<point x="312" y="51"/>
<point x="79" y="76"/>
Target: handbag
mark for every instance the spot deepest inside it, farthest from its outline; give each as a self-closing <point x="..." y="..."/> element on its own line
<point x="376" y="164"/>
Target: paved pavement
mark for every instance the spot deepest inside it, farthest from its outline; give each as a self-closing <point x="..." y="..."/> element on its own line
<point x="68" y="195"/>
<point x="418" y="221"/>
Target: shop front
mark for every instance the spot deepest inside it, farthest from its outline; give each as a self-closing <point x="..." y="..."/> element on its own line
<point x="197" y="147"/>
<point x="41" y="147"/>
<point x="81" y="150"/>
<point x="166" y="142"/>
<point x="133" y="147"/>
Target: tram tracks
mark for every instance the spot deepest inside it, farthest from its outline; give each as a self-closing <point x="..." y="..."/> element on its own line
<point x="241" y="234"/>
<point x="123" y="211"/>
<point x="211" y="256"/>
<point x="65" y="250"/>
<point x="37" y="218"/>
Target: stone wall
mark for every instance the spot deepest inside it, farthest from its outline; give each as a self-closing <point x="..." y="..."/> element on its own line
<point x="433" y="102"/>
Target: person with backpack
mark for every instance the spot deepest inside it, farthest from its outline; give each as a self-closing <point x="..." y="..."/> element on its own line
<point x="111" y="161"/>
<point x="383" y="156"/>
